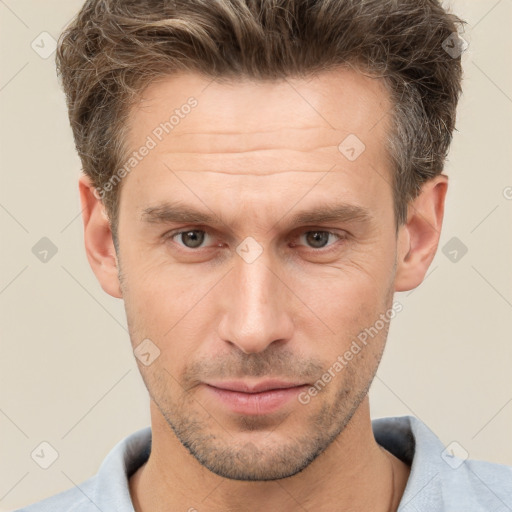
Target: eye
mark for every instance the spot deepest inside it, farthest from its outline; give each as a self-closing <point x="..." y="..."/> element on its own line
<point x="313" y="239"/>
<point x="319" y="239"/>
<point x="191" y="239"/>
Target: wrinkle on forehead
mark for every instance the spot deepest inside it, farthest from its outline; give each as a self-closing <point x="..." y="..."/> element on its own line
<point x="293" y="112"/>
<point x="290" y="130"/>
<point x="257" y="162"/>
<point x="294" y="138"/>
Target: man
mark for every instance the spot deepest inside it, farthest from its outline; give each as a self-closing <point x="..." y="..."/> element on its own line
<point x="260" y="177"/>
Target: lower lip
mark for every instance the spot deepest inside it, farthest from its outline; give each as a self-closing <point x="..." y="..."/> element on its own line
<point x="264" y="402"/>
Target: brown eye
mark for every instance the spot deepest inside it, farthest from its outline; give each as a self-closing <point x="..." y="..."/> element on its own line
<point x="317" y="239"/>
<point x="191" y="239"/>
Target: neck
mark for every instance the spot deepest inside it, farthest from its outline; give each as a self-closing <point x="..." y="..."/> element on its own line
<point x="354" y="473"/>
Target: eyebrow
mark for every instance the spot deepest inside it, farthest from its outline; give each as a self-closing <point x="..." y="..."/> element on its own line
<point x="175" y="212"/>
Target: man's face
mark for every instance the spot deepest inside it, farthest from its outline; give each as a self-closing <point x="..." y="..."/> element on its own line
<point x="258" y="290"/>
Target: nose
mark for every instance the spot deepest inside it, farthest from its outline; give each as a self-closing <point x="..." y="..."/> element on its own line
<point x="256" y="308"/>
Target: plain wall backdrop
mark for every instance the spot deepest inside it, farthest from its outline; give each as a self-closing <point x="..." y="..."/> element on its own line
<point x="68" y="375"/>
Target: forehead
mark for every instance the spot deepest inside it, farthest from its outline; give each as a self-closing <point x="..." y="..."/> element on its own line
<point x="249" y="136"/>
<point x="244" y="115"/>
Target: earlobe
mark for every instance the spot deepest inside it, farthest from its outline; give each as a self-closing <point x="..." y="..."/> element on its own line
<point x="99" y="245"/>
<point x="418" y="238"/>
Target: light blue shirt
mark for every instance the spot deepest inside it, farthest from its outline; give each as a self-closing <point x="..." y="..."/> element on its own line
<point x="439" y="480"/>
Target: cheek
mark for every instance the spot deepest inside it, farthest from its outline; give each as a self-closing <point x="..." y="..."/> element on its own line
<point x="346" y="294"/>
<point x="171" y="306"/>
<point x="348" y="301"/>
<point x="159" y="291"/>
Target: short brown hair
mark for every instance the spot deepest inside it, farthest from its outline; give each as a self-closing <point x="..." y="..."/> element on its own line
<point x="113" y="49"/>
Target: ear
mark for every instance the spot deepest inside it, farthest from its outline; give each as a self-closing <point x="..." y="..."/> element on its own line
<point x="99" y="244"/>
<point x="419" y="236"/>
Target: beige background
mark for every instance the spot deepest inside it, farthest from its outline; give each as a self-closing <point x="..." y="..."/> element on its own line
<point x="68" y="374"/>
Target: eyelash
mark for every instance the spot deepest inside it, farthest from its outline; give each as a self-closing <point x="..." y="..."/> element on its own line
<point x="324" y="250"/>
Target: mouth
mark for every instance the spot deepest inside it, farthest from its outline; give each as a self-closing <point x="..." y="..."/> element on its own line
<point x="253" y="399"/>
